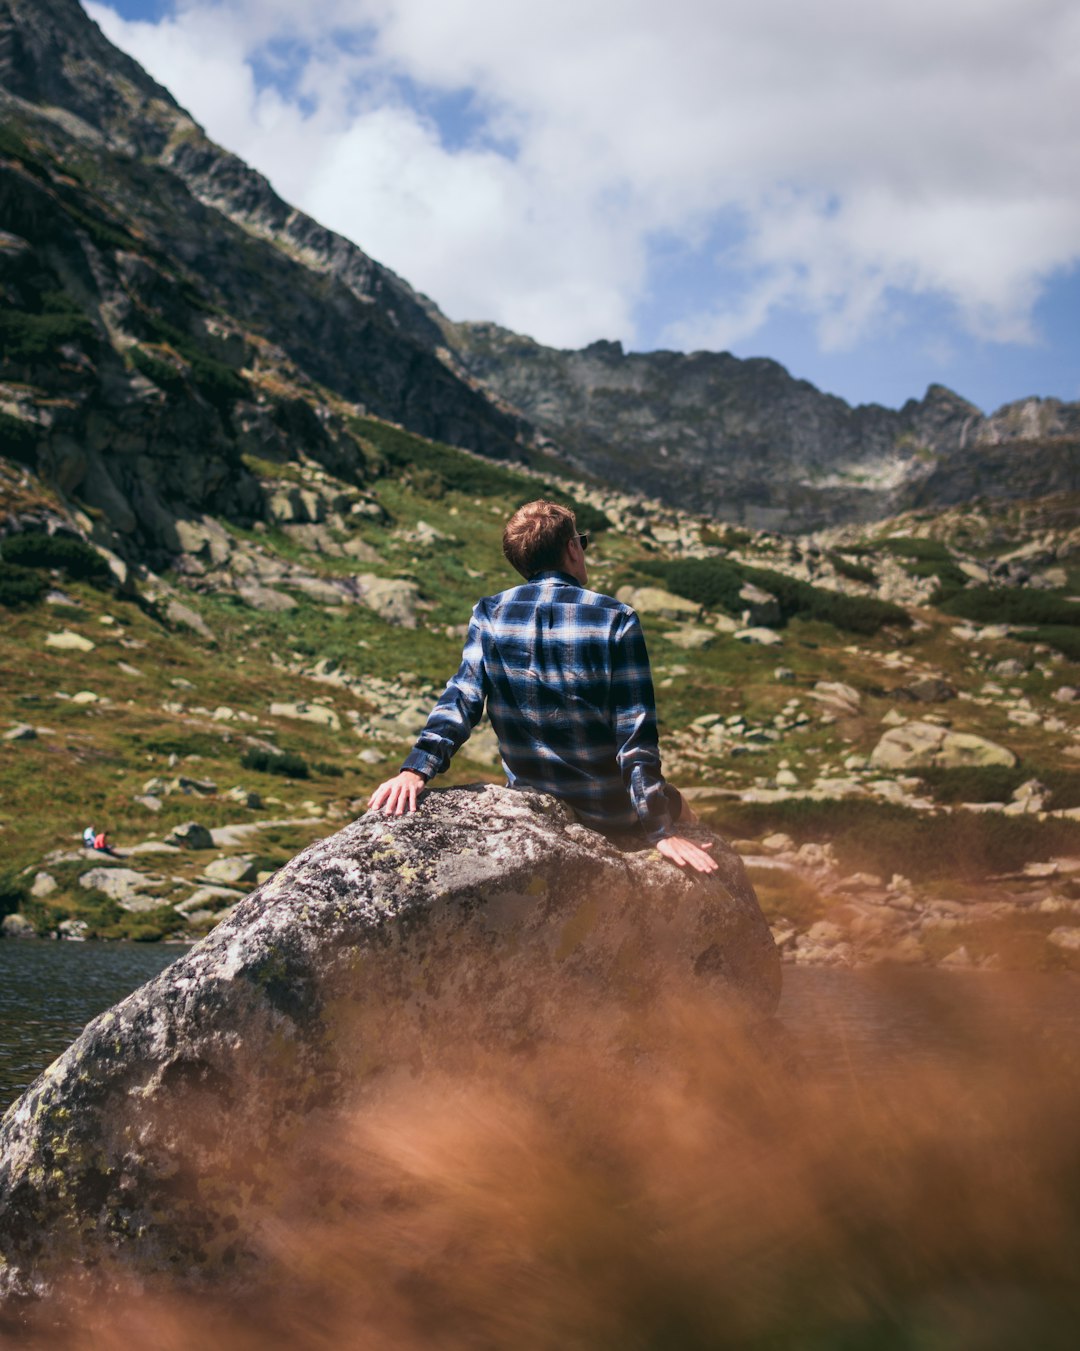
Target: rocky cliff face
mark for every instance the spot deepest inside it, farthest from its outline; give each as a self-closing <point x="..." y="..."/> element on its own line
<point x="152" y="1142"/>
<point x="745" y="441"/>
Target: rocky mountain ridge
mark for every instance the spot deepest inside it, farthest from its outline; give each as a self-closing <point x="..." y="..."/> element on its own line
<point x="744" y="441"/>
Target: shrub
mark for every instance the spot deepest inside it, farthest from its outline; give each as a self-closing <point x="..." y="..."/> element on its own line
<point x="715" y="582"/>
<point x="974" y="783"/>
<point x="922" y="550"/>
<point x="13" y="893"/>
<point x="275" y="762"/>
<point x="327" y="768"/>
<point x="219" y="384"/>
<point x="79" y="560"/>
<point x="1013" y="605"/>
<point x="1064" y="639"/>
<point x="19" y="586"/>
<point x="34" y="338"/>
<point x="855" y="572"/>
<point x="18" y="440"/>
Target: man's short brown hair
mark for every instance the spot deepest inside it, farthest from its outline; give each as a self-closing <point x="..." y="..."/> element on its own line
<point x="536" y="536"/>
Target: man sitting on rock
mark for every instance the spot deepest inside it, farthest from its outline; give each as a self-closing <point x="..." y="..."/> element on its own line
<point x="566" y="678"/>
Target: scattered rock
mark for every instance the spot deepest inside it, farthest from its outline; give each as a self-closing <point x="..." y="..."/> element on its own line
<point x="239" y="868"/>
<point x="125" y="886"/>
<point x="74" y="930"/>
<point x="247" y="797"/>
<point x="316" y="713"/>
<point x="759" y="608"/>
<point x="927" y="690"/>
<point x="843" y="699"/>
<point x="21" y="732"/>
<point x="922" y="745"/>
<point x="1063" y="937"/>
<point x="16" y="926"/>
<point x="184" y="617"/>
<point x="1066" y="694"/>
<point x="654" y="600"/>
<point x="86" y="697"/>
<point x="391" y="598"/>
<point x="265" y="598"/>
<point x="208" y="899"/>
<point x="691" y="637"/>
<point x="190" y="835"/>
<point x="67" y="641"/>
<point x="766" y="637"/>
<point x="44" y="884"/>
<point x="149" y="801"/>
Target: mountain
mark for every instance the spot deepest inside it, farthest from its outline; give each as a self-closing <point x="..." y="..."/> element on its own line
<point x="744" y="441"/>
<point x="169" y="324"/>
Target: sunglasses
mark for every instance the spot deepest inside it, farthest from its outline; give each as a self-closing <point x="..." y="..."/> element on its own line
<point x="583" y="540"/>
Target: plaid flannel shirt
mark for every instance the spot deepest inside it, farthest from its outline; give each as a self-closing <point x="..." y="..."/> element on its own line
<point x="566" y="679"/>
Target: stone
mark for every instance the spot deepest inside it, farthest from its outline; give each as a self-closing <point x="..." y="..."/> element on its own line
<point x="784" y="675"/>
<point x="370" y="756"/>
<point x="207" y="900"/>
<point x="125" y="886"/>
<point x="184" y="617"/>
<point x="16" y="926"/>
<point x="246" y="796"/>
<point x="1066" y="694"/>
<point x="765" y="637"/>
<point x="149" y="801"/>
<point x="759" y="608"/>
<point x="927" y="690"/>
<point x="654" y="600"/>
<point x="190" y="835"/>
<point x="86" y="697"/>
<point x="923" y="745"/>
<point x="184" y="784"/>
<point x="843" y="699"/>
<point x="265" y="598"/>
<point x="316" y="713"/>
<point x="488" y="908"/>
<point x="67" y="641"/>
<point x="74" y="930"/>
<point x="44" y="884"/>
<point x="1065" y="938"/>
<point x="786" y="779"/>
<point x="239" y="868"/>
<point x="21" y="732"/>
<point x="690" y="637"/>
<point x="318" y="588"/>
<point x="1009" y="669"/>
<point x="392" y="599"/>
<point x="778" y="843"/>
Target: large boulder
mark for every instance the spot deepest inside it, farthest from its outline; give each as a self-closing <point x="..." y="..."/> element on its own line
<point x="152" y="1142"/>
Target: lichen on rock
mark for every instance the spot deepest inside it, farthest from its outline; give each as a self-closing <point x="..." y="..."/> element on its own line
<point x="151" y="1143"/>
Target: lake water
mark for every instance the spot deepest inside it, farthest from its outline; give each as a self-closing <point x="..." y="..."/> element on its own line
<point x="838" y="1019"/>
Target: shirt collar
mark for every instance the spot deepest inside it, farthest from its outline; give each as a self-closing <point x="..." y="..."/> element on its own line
<point x="554" y="575"/>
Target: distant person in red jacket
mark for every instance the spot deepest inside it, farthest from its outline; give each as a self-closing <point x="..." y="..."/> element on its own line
<point x="101" y="843"/>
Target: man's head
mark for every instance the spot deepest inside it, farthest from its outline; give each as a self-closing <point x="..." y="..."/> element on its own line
<point x="541" y="536"/>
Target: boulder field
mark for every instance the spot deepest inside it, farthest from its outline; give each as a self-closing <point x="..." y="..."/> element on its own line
<point x="150" y="1145"/>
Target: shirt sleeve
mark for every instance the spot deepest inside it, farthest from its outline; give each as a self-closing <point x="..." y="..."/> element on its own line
<point x="637" y="746"/>
<point x="457" y="712"/>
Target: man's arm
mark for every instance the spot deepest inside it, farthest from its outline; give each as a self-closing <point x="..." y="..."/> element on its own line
<point x="638" y="748"/>
<point x="448" y="727"/>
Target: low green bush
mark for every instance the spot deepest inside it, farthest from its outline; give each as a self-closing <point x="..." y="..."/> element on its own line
<point x="921" y="550"/>
<point x="79" y="560"/>
<point x="20" y="586"/>
<point x="1013" y="605"/>
<point x="33" y="338"/>
<point x="287" y="764"/>
<point x="715" y="583"/>
<point x="18" y="440"/>
<point x="328" y="769"/>
<point x="1063" y="639"/>
<point x="974" y="783"/>
<point x="854" y="572"/>
<point x="13" y="893"/>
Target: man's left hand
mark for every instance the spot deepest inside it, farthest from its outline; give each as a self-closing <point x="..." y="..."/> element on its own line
<point x="686" y="853"/>
<point x="397" y="795"/>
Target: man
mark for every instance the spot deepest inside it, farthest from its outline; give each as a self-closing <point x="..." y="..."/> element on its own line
<point x="566" y="678"/>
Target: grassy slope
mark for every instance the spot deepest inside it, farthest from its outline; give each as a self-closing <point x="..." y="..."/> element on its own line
<point x="95" y="758"/>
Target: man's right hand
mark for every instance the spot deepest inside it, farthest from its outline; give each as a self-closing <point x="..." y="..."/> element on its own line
<point x="397" y="795"/>
<point x="685" y="852"/>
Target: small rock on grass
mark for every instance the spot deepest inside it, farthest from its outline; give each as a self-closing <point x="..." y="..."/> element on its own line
<point x="67" y="641"/>
<point x="16" y="926"/>
<point x="190" y="835"/>
<point x="22" y="732"/>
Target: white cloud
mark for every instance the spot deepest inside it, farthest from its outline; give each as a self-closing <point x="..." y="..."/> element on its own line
<point x="906" y="146"/>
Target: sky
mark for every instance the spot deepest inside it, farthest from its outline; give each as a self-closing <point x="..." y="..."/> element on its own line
<point x="879" y="194"/>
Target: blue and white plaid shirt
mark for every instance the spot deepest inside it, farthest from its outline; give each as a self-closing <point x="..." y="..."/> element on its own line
<point x="566" y="678"/>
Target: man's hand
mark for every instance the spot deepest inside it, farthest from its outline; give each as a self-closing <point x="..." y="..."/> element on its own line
<point x="684" y="852"/>
<point x="397" y="795"/>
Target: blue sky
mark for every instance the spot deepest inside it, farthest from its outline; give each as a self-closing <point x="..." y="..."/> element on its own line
<point x="879" y="196"/>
